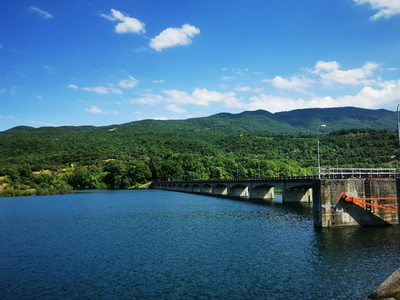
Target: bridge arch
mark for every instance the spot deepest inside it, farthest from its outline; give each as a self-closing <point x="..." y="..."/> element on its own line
<point x="262" y="191"/>
<point x="206" y="188"/>
<point x="239" y="190"/>
<point x="220" y="189"/>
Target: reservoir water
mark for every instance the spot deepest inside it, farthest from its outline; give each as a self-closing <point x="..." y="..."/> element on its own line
<point x="152" y="244"/>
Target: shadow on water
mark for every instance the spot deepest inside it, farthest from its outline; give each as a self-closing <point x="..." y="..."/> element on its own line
<point x="305" y="210"/>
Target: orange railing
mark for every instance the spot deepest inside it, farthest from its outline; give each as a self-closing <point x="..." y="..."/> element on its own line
<point x="362" y="202"/>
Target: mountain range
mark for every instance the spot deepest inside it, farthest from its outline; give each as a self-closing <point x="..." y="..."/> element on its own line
<point x="289" y="122"/>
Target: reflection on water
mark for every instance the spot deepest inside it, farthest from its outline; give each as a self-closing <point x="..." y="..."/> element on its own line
<point x="159" y="244"/>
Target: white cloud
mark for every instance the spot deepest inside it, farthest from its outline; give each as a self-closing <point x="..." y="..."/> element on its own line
<point x="386" y="8"/>
<point x="392" y="69"/>
<point x="116" y="91"/>
<point x="49" y="69"/>
<point x="243" y="89"/>
<point x="228" y="78"/>
<point x="248" y="89"/>
<point x="258" y="73"/>
<point x="128" y="83"/>
<point x="223" y="86"/>
<point x="73" y="86"/>
<point x="1" y="46"/>
<point x="98" y="89"/>
<point x="223" y="69"/>
<point x="39" y="97"/>
<point x="42" y="13"/>
<point x="14" y="90"/>
<point x="174" y="36"/>
<point x="175" y="108"/>
<point x="352" y="77"/>
<point x="367" y="98"/>
<point x="161" y="118"/>
<point x="158" y="81"/>
<point x="127" y="25"/>
<point x="94" y="110"/>
<point x="294" y="83"/>
<point x="239" y="72"/>
<point x="327" y="66"/>
<point x="201" y="97"/>
<point x="258" y="90"/>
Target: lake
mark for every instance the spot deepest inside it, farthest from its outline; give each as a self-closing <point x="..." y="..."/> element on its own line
<point x="153" y="244"/>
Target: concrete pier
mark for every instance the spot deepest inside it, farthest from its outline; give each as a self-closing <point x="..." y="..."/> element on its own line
<point x="328" y="212"/>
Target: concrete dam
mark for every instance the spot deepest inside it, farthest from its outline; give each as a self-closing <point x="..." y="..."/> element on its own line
<point x="361" y="201"/>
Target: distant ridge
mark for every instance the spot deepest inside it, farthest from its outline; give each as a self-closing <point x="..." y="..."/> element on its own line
<point x="288" y="122"/>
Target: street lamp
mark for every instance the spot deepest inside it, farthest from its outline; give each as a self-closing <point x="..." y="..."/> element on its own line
<point x="237" y="172"/>
<point x="289" y="164"/>
<point x="398" y="127"/>
<point x="337" y="166"/>
<point x="258" y="169"/>
<point x="319" y="168"/>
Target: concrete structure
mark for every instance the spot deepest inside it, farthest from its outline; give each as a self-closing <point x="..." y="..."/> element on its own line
<point x="389" y="289"/>
<point x="324" y="193"/>
<point x="294" y="189"/>
<point x="328" y="212"/>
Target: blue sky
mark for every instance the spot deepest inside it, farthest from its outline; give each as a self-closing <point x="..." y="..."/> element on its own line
<point x="111" y="62"/>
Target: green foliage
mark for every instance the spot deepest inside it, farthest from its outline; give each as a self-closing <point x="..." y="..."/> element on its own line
<point x="219" y="146"/>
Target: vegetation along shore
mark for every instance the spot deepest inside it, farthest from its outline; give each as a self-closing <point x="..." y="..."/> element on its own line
<point x="249" y="144"/>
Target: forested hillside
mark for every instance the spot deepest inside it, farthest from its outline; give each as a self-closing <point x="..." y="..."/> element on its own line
<point x="220" y="146"/>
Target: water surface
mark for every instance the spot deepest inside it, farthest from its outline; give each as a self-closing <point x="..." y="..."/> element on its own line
<point x="153" y="244"/>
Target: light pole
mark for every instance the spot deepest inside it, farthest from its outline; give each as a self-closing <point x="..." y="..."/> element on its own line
<point x="319" y="168"/>
<point x="208" y="169"/>
<point x="398" y="127"/>
<point x="237" y="172"/>
<point x="258" y="169"/>
<point x="289" y="164"/>
<point x="337" y="165"/>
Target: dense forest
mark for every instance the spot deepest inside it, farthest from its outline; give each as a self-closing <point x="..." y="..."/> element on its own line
<point x="53" y="160"/>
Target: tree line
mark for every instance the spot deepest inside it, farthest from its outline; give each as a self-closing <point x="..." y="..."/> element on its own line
<point x="117" y="160"/>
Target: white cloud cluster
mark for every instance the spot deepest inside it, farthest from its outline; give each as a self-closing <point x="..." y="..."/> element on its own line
<point x="248" y="89"/>
<point x="294" y="83"/>
<point x="367" y="98"/>
<point x="174" y="36"/>
<point x="127" y="25"/>
<point x="128" y="83"/>
<point x="169" y="37"/>
<point x="327" y="66"/>
<point x="201" y="97"/>
<point x="330" y="73"/>
<point x="386" y="8"/>
<point x="41" y="13"/>
<point x="97" y="89"/>
<point x="95" y="110"/>
<point x="116" y="90"/>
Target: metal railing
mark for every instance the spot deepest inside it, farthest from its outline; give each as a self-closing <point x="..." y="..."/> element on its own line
<point x="346" y="173"/>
